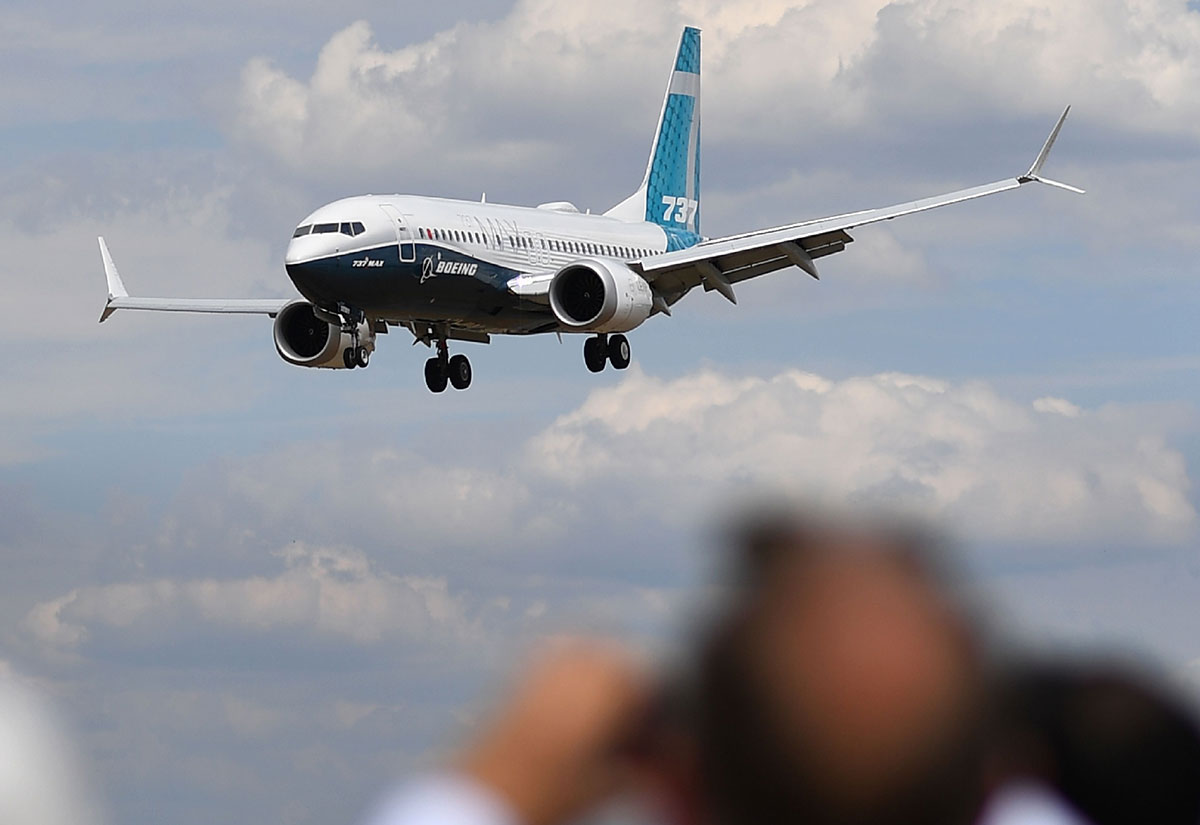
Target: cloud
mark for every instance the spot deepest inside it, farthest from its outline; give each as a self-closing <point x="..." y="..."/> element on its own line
<point x="328" y="594"/>
<point x="651" y="454"/>
<point x="555" y="528"/>
<point x="491" y="93"/>
<point x="994" y="467"/>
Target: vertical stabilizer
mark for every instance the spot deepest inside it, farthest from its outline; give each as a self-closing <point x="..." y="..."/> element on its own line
<point x="670" y="192"/>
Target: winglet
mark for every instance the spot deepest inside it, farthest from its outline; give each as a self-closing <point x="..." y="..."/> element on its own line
<point x="116" y="287"/>
<point x="1035" y="171"/>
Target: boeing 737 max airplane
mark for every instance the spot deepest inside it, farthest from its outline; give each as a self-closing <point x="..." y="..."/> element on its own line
<point x="450" y="270"/>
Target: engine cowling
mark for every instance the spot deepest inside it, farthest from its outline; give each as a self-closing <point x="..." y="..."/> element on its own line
<point x="600" y="296"/>
<point x="304" y="338"/>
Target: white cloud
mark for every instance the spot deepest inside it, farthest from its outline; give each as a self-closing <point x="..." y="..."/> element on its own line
<point x="578" y="498"/>
<point x="488" y="94"/>
<point x="994" y="467"/>
<point x="652" y="451"/>
<point x="1059" y="406"/>
<point x="328" y="594"/>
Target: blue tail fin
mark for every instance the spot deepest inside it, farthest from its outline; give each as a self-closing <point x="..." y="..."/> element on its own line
<point x="670" y="192"/>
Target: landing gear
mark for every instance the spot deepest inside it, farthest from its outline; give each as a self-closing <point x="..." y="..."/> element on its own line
<point x="460" y="372"/>
<point x="356" y="357"/>
<point x="435" y="375"/>
<point x="618" y="352"/>
<point x="595" y="353"/>
<point x="603" y="350"/>
<point x="443" y="369"/>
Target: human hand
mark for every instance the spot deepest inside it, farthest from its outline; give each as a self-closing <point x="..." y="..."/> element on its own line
<point x="557" y="747"/>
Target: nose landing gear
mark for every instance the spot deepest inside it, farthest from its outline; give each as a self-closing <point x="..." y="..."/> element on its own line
<point x="602" y="350"/>
<point x="355" y="324"/>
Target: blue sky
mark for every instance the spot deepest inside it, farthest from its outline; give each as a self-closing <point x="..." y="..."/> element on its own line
<point x="259" y="592"/>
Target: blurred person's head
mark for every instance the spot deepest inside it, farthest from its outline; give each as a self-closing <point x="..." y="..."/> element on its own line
<point x="841" y="684"/>
<point x="1118" y="748"/>
<point x="40" y="780"/>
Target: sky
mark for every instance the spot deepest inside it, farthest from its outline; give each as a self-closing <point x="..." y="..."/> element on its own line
<point x="256" y="593"/>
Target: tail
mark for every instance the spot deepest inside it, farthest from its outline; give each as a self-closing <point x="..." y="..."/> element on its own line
<point x="670" y="192"/>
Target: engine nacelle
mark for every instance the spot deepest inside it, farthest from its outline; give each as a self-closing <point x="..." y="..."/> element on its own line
<point x="304" y="338"/>
<point x="600" y="296"/>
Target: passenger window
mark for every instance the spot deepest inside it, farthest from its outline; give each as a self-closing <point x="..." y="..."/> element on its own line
<point x="325" y="228"/>
<point x="302" y="230"/>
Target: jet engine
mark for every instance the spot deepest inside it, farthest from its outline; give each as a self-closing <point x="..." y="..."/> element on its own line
<point x="600" y="296"/>
<point x="309" y="337"/>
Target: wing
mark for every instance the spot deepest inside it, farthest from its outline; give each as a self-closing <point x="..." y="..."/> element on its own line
<point x="718" y="264"/>
<point x="119" y="298"/>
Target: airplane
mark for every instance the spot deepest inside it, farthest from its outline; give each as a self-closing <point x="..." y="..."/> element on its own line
<point x="451" y="270"/>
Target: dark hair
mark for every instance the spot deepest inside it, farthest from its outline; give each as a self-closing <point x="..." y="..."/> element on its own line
<point x="751" y="772"/>
<point x="1119" y="749"/>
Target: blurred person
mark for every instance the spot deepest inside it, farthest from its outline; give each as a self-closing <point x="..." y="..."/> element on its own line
<point x="1099" y="738"/>
<point x="842" y="685"/>
<point x="40" y="781"/>
<point x="838" y="685"/>
<point x="556" y="748"/>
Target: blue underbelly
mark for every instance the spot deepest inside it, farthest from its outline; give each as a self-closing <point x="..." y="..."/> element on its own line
<point x="434" y="283"/>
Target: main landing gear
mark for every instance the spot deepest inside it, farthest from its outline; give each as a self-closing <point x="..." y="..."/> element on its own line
<point x="445" y="369"/>
<point x="603" y="350"/>
<point x="356" y="357"/>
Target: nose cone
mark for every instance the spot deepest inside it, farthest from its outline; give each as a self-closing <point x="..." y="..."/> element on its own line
<point x="306" y="248"/>
<point x="311" y="262"/>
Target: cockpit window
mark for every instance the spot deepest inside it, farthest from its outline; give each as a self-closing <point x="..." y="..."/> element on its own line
<point x="302" y="230"/>
<point x="325" y="228"/>
<point x="358" y="228"/>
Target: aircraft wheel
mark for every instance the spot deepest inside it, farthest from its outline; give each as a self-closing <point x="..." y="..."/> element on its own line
<point x="618" y="351"/>
<point x="435" y="375"/>
<point x="594" y="354"/>
<point x="349" y="358"/>
<point x="362" y="357"/>
<point x="460" y="372"/>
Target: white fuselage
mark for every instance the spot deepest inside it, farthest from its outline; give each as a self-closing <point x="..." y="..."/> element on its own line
<point x="402" y="257"/>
